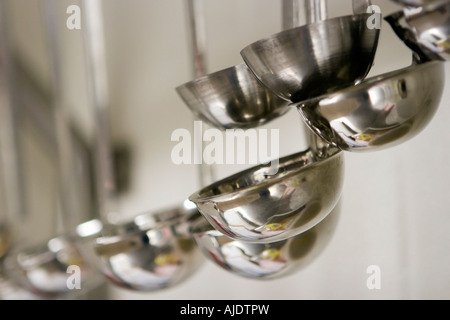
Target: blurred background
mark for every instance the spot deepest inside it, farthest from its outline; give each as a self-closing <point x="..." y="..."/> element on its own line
<point x="395" y="203"/>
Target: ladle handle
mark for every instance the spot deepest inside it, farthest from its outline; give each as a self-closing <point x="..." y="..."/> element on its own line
<point x="94" y="40"/>
<point x="64" y="146"/>
<point x="360" y="6"/>
<point x="10" y="155"/>
<point x="198" y="52"/>
<point x="315" y="10"/>
<point x="290" y="14"/>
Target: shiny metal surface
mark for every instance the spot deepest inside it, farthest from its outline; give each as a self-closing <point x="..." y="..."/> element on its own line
<point x="268" y="260"/>
<point x="427" y="27"/>
<point x="255" y="206"/>
<point x="311" y="60"/>
<point x="150" y="253"/>
<point x="44" y="270"/>
<point x="380" y="112"/>
<point x="418" y="3"/>
<point x="231" y="98"/>
<point x="197" y="32"/>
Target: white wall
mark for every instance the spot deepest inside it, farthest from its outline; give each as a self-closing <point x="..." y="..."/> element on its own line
<point x="395" y="202"/>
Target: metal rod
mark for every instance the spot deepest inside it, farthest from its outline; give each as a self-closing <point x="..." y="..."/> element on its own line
<point x="99" y="95"/>
<point x="64" y="147"/>
<point x="197" y="33"/>
<point x="10" y="155"/>
<point x="360" y="6"/>
<point x="316" y="10"/>
<point x="290" y="13"/>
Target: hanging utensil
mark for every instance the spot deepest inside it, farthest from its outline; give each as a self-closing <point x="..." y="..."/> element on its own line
<point x="43" y="268"/>
<point x="425" y="30"/>
<point x="150" y="252"/>
<point x="311" y="60"/>
<point x="380" y="112"/>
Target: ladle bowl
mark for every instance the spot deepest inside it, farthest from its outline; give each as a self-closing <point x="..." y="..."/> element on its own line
<point x="311" y="60"/>
<point x="426" y="29"/>
<point x="54" y="269"/>
<point x="150" y="253"/>
<point x="269" y="260"/>
<point x="381" y="112"/>
<point x="232" y="99"/>
<point x="418" y="3"/>
<point x="258" y="205"/>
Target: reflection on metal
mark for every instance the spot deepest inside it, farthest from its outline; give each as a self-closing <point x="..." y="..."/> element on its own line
<point x="256" y="223"/>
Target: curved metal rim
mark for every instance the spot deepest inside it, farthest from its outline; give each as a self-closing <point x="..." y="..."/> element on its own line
<point x="304" y="27"/>
<point x="212" y="75"/>
<point x="372" y="81"/>
<point x="197" y="196"/>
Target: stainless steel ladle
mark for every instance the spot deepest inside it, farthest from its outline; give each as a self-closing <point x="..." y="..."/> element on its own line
<point x="379" y="113"/>
<point x="151" y="252"/>
<point x="42" y="268"/>
<point x="232" y="98"/>
<point x="265" y="260"/>
<point x="382" y="111"/>
<point x="317" y="58"/>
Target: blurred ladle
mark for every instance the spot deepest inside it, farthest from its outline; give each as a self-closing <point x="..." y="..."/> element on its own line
<point x="43" y="268"/>
<point x="151" y="252"/>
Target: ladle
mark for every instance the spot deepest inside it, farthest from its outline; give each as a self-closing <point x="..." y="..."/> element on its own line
<point x="380" y="112"/>
<point x="150" y="252"/>
<point x="231" y="98"/>
<point x="256" y="205"/>
<point x="425" y="30"/>
<point x="43" y="268"/>
<point x="269" y="260"/>
<point x="12" y="211"/>
<point x="314" y="59"/>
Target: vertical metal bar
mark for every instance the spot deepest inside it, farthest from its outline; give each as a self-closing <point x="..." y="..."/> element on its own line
<point x="99" y="95"/>
<point x="64" y="147"/>
<point x="10" y="155"/>
<point x="290" y="14"/>
<point x="197" y="33"/>
<point x="316" y="10"/>
<point x="360" y="6"/>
